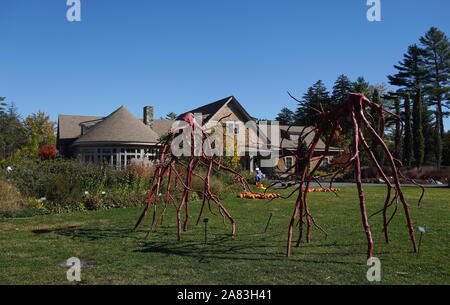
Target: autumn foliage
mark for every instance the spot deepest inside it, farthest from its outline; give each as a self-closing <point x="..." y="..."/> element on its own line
<point x="47" y="152"/>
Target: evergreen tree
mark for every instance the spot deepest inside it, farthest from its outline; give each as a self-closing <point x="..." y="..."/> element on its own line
<point x="2" y="105"/>
<point x="411" y="71"/>
<point x="410" y="78"/>
<point x="429" y="134"/>
<point x="446" y="149"/>
<point x="342" y="86"/>
<point x="171" y="116"/>
<point x="398" y="131"/>
<point x="286" y="117"/>
<point x="12" y="132"/>
<point x="437" y="59"/>
<point x="408" y="139"/>
<point x="418" y="140"/>
<point x="361" y="86"/>
<point x="317" y="97"/>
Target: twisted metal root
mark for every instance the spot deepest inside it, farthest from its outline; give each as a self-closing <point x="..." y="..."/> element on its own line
<point x="355" y="110"/>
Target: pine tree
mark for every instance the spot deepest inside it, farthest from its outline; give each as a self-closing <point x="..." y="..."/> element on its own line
<point x="317" y="97"/>
<point x="410" y="78"/>
<point x="285" y="117"/>
<point x="2" y="105"/>
<point x="418" y="140"/>
<point x="398" y="131"/>
<point x="376" y="125"/>
<point x="411" y="71"/>
<point x="342" y="86"/>
<point x="408" y="139"/>
<point x="171" y="116"/>
<point x="361" y="86"/>
<point x="437" y="59"/>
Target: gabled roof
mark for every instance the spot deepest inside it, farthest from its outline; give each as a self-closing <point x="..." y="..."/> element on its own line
<point x="119" y="127"/>
<point x="69" y="125"/>
<point x="287" y="143"/>
<point x="209" y="110"/>
<point x="161" y="127"/>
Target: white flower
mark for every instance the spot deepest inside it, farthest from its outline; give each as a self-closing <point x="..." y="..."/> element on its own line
<point x="86" y="193"/>
<point x="9" y="169"/>
<point x="103" y="193"/>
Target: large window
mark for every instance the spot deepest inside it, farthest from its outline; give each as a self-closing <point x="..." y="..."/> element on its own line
<point x="118" y="157"/>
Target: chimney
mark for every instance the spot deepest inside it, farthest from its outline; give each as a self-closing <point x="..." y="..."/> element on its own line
<point x="148" y="115"/>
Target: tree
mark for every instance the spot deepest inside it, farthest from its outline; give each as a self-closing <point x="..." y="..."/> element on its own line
<point x="408" y="156"/>
<point x="317" y="97"/>
<point x="361" y="86"/>
<point x="40" y="131"/>
<point x="342" y="86"/>
<point x="2" y="105"/>
<point x="411" y="71"/>
<point x="410" y="78"/>
<point x="12" y="133"/>
<point x="286" y="117"/>
<point x="377" y="150"/>
<point x="171" y="116"/>
<point x="446" y="149"/>
<point x="436" y="62"/>
<point x="418" y="139"/>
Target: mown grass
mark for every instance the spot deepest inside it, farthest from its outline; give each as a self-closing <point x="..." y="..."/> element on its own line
<point x="31" y="249"/>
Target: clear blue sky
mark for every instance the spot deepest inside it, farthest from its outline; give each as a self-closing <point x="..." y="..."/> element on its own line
<point x="179" y="54"/>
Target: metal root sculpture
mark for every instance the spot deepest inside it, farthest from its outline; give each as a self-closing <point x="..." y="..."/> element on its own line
<point x="175" y="174"/>
<point x="358" y="110"/>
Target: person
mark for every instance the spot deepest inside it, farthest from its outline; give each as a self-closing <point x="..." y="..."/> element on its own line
<point x="259" y="177"/>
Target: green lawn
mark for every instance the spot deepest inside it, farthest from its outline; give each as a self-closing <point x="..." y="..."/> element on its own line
<point x="31" y="249"/>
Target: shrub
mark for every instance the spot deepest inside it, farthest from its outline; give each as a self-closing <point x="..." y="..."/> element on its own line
<point x="73" y="185"/>
<point x="47" y="152"/>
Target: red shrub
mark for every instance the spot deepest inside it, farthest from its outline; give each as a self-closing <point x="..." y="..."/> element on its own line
<point x="47" y="152"/>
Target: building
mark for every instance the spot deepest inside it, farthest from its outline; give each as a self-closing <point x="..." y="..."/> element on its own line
<point x="121" y="138"/>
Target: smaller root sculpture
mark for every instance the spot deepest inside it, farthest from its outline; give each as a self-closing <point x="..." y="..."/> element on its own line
<point x="175" y="174"/>
<point x="327" y="124"/>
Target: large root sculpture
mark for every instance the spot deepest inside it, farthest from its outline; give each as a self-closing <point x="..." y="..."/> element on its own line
<point x="327" y="123"/>
<point x="177" y="175"/>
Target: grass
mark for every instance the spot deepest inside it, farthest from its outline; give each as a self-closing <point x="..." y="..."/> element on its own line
<point x="31" y="249"/>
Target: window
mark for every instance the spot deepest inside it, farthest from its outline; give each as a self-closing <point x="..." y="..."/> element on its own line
<point x="233" y="127"/>
<point x="288" y="162"/>
<point x="118" y="158"/>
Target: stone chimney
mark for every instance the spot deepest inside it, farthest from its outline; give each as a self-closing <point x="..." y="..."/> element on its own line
<point x="148" y="115"/>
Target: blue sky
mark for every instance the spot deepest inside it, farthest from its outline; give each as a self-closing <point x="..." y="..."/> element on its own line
<point x="179" y="54"/>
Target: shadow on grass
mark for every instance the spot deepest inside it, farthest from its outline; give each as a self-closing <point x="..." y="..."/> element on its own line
<point x="228" y="248"/>
<point x="80" y="233"/>
<point x="245" y="247"/>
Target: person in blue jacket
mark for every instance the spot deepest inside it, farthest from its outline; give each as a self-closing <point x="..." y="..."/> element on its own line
<point x="259" y="176"/>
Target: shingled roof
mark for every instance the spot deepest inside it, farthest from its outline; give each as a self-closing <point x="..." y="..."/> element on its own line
<point x="69" y="125"/>
<point x="287" y="143"/>
<point x="209" y="110"/>
<point x="119" y="127"/>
